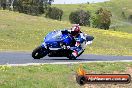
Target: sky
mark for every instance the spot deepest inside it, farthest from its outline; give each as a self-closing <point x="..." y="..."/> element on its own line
<point x="76" y="1"/>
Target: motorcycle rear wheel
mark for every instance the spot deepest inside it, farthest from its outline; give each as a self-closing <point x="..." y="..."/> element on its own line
<point x="71" y="57"/>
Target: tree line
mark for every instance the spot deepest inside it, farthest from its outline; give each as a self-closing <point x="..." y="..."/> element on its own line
<point x="101" y="18"/>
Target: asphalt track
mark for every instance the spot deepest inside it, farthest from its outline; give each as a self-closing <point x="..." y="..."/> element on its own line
<point x="22" y="58"/>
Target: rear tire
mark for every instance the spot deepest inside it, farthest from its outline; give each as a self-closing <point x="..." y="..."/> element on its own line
<point x="39" y="52"/>
<point x="71" y="57"/>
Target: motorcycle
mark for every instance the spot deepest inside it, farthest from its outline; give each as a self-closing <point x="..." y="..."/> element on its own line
<point x="57" y="44"/>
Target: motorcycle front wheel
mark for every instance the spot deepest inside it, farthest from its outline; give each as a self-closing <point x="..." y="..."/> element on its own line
<point x="39" y="52"/>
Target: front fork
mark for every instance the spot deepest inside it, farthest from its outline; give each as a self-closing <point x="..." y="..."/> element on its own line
<point x="43" y="45"/>
<point x="44" y="48"/>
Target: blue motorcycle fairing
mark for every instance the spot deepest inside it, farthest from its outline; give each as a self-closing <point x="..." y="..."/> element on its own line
<point x="66" y="39"/>
<point x="53" y="39"/>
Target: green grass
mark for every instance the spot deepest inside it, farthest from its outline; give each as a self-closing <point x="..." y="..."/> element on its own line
<point x="110" y="42"/>
<point x="54" y="76"/>
<point x="24" y="32"/>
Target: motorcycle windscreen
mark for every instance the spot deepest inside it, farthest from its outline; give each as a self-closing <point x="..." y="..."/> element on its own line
<point x="53" y="36"/>
<point x="57" y="36"/>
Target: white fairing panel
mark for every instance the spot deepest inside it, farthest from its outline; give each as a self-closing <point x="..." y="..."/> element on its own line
<point x="54" y="48"/>
<point x="89" y="42"/>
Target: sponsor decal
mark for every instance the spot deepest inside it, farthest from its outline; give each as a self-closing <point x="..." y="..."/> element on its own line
<point x="84" y="78"/>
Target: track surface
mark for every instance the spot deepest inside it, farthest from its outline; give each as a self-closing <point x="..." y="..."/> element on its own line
<point x="25" y="58"/>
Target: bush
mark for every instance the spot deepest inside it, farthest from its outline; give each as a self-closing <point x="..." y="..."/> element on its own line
<point x="80" y="17"/>
<point x="95" y="21"/>
<point x="123" y="15"/>
<point x="54" y="13"/>
<point x="130" y="18"/>
<point x="32" y="7"/>
<point x="102" y="19"/>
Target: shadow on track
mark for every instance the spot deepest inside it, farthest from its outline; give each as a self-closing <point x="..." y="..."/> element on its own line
<point x="66" y="59"/>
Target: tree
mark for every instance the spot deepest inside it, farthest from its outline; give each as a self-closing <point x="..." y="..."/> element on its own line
<point x="3" y="4"/>
<point x="95" y="21"/>
<point x="54" y="13"/>
<point x="80" y="17"/>
<point x="130" y="18"/>
<point x="123" y="14"/>
<point x="102" y="19"/>
<point x="33" y="7"/>
<point x="50" y="2"/>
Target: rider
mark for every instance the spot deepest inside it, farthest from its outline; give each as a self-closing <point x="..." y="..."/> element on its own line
<point x="79" y="38"/>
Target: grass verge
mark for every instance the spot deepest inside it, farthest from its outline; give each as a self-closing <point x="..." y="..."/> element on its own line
<point x="59" y="76"/>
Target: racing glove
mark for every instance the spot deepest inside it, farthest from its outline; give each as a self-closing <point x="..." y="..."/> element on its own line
<point x="77" y="44"/>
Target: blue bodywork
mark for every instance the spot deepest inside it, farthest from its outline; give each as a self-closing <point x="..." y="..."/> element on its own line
<point x="55" y="38"/>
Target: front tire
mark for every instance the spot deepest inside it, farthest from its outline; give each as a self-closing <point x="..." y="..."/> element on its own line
<point x="39" y="52"/>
